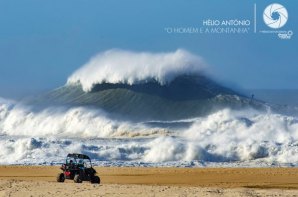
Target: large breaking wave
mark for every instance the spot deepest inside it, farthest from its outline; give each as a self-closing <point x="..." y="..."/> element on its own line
<point x="144" y="109"/>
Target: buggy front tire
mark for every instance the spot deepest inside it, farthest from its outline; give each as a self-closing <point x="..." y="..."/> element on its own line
<point x="95" y="180"/>
<point x="60" y="178"/>
<point x="77" y="179"/>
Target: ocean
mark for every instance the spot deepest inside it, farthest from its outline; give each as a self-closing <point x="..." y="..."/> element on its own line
<point x="143" y="109"/>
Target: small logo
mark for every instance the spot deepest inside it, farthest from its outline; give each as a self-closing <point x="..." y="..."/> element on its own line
<point x="275" y="16"/>
<point x="287" y="35"/>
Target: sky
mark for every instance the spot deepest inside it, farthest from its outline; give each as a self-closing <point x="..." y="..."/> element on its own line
<point x="44" y="42"/>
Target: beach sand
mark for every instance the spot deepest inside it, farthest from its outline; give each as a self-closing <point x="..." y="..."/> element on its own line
<point x="123" y="181"/>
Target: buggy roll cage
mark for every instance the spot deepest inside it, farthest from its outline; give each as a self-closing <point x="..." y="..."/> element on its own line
<point x="77" y="156"/>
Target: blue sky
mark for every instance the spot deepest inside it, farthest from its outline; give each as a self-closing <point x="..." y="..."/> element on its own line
<point x="43" y="42"/>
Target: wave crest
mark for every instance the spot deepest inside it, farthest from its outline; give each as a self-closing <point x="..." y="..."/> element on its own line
<point x="120" y="66"/>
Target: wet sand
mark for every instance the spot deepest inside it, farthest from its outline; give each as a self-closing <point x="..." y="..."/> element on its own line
<point x="41" y="181"/>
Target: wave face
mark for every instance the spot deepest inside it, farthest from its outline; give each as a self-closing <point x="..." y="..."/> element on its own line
<point x="142" y="109"/>
<point x="126" y="67"/>
<point x="183" y="98"/>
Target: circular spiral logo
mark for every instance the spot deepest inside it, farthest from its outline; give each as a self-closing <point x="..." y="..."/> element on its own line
<point x="275" y="15"/>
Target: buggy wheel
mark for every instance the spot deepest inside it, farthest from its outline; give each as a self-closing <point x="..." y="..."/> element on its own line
<point x="77" y="179"/>
<point x="95" y="179"/>
<point x="60" y="177"/>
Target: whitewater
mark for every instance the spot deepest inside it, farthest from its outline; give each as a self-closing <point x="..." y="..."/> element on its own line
<point x="121" y="66"/>
<point x="246" y="136"/>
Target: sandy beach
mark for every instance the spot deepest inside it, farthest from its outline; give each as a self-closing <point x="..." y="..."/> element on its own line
<point x="40" y="181"/>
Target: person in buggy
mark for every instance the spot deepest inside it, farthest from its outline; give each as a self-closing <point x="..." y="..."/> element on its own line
<point x="71" y="165"/>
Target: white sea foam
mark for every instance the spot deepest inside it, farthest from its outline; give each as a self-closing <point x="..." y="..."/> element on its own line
<point x="232" y="136"/>
<point x="120" y="66"/>
<point x="226" y="136"/>
<point x="83" y="122"/>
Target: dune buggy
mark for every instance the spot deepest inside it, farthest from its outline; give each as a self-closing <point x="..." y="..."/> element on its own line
<point x="78" y="167"/>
